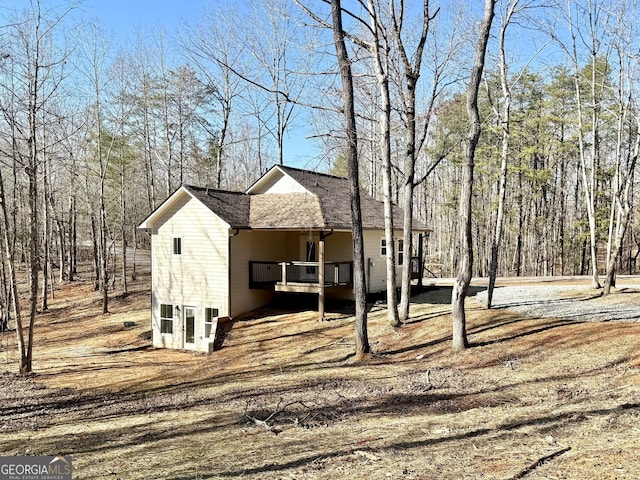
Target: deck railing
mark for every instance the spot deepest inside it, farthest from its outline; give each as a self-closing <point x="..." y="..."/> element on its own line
<point x="266" y="274"/>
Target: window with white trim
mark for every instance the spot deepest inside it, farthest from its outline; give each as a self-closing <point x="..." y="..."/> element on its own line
<point x="177" y="246"/>
<point x="210" y="317"/>
<point x="166" y="318"/>
<point x="400" y="252"/>
<point x="383" y="247"/>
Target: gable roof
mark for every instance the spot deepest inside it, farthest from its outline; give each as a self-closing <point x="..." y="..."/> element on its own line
<point x="232" y="207"/>
<point x="334" y="196"/>
<point x="319" y="201"/>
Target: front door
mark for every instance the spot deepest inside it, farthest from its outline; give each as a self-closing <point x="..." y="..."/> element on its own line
<point x="190" y="328"/>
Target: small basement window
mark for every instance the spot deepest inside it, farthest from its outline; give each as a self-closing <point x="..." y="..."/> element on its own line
<point x="166" y="319"/>
<point x="210" y="316"/>
<point x="177" y="246"/>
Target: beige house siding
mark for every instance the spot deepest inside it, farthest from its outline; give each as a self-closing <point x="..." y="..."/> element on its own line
<point x="282" y="184"/>
<point x="197" y="277"/>
<point x="376" y="264"/>
<point x="339" y="247"/>
<point x="250" y="245"/>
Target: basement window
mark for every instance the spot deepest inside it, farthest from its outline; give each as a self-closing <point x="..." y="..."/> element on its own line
<point x="210" y="318"/>
<point x="166" y="319"/>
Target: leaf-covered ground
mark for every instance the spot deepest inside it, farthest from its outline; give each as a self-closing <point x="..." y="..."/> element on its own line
<point x="533" y="398"/>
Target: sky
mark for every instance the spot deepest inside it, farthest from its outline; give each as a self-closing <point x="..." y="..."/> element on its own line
<point x="124" y="18"/>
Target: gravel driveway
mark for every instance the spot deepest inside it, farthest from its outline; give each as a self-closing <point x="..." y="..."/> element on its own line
<point x="551" y="301"/>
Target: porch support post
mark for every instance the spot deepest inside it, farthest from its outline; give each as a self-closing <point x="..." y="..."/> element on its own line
<point x="321" y="277"/>
<point x="420" y="259"/>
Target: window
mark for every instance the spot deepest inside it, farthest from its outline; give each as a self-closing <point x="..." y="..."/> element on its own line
<point x="400" y="252"/>
<point x="210" y="317"/>
<point x="166" y="319"/>
<point x="177" y="246"/>
<point x="383" y="247"/>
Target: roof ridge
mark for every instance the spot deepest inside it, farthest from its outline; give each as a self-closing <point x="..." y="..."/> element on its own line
<point x="212" y="189"/>
<point x="312" y="172"/>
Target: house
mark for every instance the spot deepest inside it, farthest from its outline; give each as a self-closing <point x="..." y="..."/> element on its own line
<point x="218" y="254"/>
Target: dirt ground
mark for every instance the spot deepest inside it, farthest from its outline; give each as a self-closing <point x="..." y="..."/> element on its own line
<point x="534" y="398"/>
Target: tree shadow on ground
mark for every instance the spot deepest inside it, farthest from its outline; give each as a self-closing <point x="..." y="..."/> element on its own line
<point x="440" y="295"/>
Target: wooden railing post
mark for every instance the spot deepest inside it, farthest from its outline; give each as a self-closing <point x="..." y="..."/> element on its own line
<point x="321" y="277"/>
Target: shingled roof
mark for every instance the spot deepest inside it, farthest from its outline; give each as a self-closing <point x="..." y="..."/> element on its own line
<point x="325" y="205"/>
<point x="232" y="207"/>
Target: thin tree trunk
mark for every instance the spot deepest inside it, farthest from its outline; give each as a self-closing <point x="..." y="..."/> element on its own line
<point x="62" y="250"/>
<point x="624" y="215"/>
<point x="9" y="253"/>
<point x="344" y="63"/>
<point x="411" y="73"/>
<point x="123" y="229"/>
<point x="504" y="117"/>
<point x="461" y="285"/>
<point x="382" y="74"/>
<point x="96" y="255"/>
<point x="134" y="237"/>
<point x="588" y="179"/>
<point x="46" y="245"/>
<point x="73" y="250"/>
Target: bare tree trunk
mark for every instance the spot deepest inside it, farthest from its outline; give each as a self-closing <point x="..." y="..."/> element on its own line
<point x="134" y="237"/>
<point x="123" y="226"/>
<point x="623" y="201"/>
<point x="504" y="118"/>
<point x="344" y="63"/>
<point x="411" y="73"/>
<point x="9" y="254"/>
<point x="381" y="59"/>
<point x="73" y="244"/>
<point x="461" y="285"/>
<point x="46" y="245"/>
<point x="96" y="253"/>
<point x="588" y="177"/>
<point x="34" y="254"/>
<point x="62" y="250"/>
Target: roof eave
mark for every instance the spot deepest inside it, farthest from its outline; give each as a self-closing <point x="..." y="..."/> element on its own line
<point x="147" y="223"/>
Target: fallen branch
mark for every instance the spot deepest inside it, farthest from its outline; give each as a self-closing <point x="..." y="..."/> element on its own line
<point x="262" y="423"/>
<point x="278" y="413"/>
<point x="539" y="462"/>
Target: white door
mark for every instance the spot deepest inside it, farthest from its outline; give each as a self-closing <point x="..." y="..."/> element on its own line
<point x="190" y="328"/>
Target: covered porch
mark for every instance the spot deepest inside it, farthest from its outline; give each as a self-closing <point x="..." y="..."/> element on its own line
<point x="313" y="274"/>
<point x="304" y="277"/>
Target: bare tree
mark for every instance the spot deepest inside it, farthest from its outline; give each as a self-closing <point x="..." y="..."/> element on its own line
<point x="212" y="47"/>
<point x="379" y="48"/>
<point x="596" y="18"/>
<point x="411" y="69"/>
<point x="626" y="158"/>
<point x="465" y="272"/>
<point x="346" y="75"/>
<point x="95" y="69"/>
<point x="504" y="119"/>
<point x="37" y="71"/>
<point x="277" y="64"/>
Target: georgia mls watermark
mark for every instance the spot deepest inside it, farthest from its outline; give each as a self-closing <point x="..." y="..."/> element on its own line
<point x="36" y="468"/>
